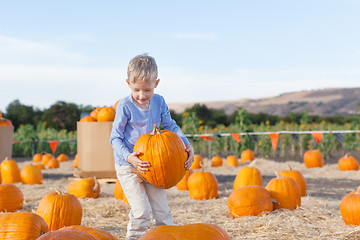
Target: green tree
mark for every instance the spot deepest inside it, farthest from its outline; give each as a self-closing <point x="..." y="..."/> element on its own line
<point x="62" y="115"/>
<point x="21" y="114"/>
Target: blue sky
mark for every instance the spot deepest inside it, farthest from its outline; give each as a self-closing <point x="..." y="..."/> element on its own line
<point x="78" y="51"/>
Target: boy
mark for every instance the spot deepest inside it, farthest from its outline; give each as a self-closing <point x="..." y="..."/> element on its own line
<point x="136" y="115"/>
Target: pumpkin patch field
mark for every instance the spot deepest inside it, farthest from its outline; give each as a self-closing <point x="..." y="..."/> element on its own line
<point x="317" y="216"/>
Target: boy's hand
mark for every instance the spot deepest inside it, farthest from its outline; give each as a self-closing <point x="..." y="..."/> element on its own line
<point x="138" y="164"/>
<point x="190" y="160"/>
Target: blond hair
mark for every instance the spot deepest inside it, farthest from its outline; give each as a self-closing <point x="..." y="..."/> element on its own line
<point x="142" y="68"/>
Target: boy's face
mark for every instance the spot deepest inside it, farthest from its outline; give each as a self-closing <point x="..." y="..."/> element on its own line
<point x="142" y="92"/>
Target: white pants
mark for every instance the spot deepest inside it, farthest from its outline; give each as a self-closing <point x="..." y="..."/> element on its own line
<point x="144" y="198"/>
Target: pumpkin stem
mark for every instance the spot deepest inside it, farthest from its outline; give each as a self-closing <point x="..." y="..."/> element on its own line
<point x="289" y="167"/>
<point x="278" y="176"/>
<point x="252" y="164"/>
<point x="95" y="185"/>
<point x="346" y="155"/>
<point x="59" y="191"/>
<point x="156" y="130"/>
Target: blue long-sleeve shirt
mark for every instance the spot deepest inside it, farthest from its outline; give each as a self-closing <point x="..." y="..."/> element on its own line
<point x="131" y="122"/>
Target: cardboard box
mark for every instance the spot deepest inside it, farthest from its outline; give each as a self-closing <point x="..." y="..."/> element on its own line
<point x="6" y="138"/>
<point x="95" y="154"/>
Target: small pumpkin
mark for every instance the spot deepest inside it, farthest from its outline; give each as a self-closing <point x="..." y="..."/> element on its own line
<point x="198" y="231"/>
<point x="31" y="174"/>
<point x="350" y="208"/>
<point x="313" y="159"/>
<point x="297" y="176"/>
<point x="22" y="226"/>
<point x="62" y="157"/>
<point x="53" y="163"/>
<point x="46" y="157"/>
<point x="183" y="184"/>
<point x="40" y="165"/>
<point x="216" y="161"/>
<point x="248" y="176"/>
<point x="203" y="185"/>
<point x="60" y="209"/>
<point x="87" y="119"/>
<point x="98" y="233"/>
<point x="106" y="114"/>
<point x="4" y="121"/>
<point x="166" y="153"/>
<point x="285" y="191"/>
<point x="119" y="192"/>
<point x="84" y="188"/>
<point x="67" y="235"/>
<point x="11" y="198"/>
<point x="37" y="157"/>
<point x="348" y="163"/>
<point x="94" y="113"/>
<point x="232" y="160"/>
<point x="247" y="155"/>
<point x="76" y="161"/>
<point x="10" y="172"/>
<point x="249" y="200"/>
<point x="198" y="162"/>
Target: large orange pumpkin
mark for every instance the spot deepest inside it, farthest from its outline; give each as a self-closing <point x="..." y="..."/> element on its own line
<point x="22" y="226"/>
<point x="106" y="114"/>
<point x="350" y="208"/>
<point x="165" y="151"/>
<point x="60" y="209"/>
<point x="10" y="172"/>
<point x="62" y="157"/>
<point x="198" y="162"/>
<point x="84" y="188"/>
<point x="285" y="191"/>
<point x="247" y="155"/>
<point x="348" y="163"/>
<point x="53" y="163"/>
<point x="197" y="231"/>
<point x="119" y="192"/>
<point x="37" y="157"/>
<point x="11" y="198"/>
<point x="248" y="176"/>
<point x="313" y="159"/>
<point x="216" y="161"/>
<point x="67" y="235"/>
<point x="203" y="185"/>
<point x="4" y="121"/>
<point x="31" y="174"/>
<point x="98" y="233"/>
<point x="297" y="176"/>
<point x="249" y="200"/>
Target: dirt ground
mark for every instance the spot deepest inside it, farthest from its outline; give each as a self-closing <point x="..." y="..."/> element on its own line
<point x="317" y="218"/>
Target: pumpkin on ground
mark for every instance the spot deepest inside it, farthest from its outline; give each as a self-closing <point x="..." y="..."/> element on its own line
<point x="348" y="163"/>
<point x="67" y="235"/>
<point x="119" y="192"/>
<point x="203" y="185"/>
<point x="249" y="200"/>
<point x="40" y="165"/>
<point x="10" y="172"/>
<point x="313" y="159"/>
<point x="31" y="174"/>
<point x="216" y="161"/>
<point x="98" y="233"/>
<point x="60" y="209"/>
<point x="350" y="208"/>
<point x="11" y="198"/>
<point x="247" y="155"/>
<point x="22" y="226"/>
<point x="166" y="153"/>
<point x="62" y="158"/>
<point x="198" y="162"/>
<point x="46" y="157"/>
<point x="285" y="191"/>
<point x="183" y="184"/>
<point x="53" y="163"/>
<point x="297" y="176"/>
<point x="75" y="161"/>
<point x="37" y="157"/>
<point x="84" y="188"/>
<point x="198" y="231"/>
<point x="106" y="114"/>
<point x="248" y="176"/>
<point x="232" y="160"/>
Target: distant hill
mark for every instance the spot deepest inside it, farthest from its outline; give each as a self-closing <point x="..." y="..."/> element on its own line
<point x="324" y="102"/>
